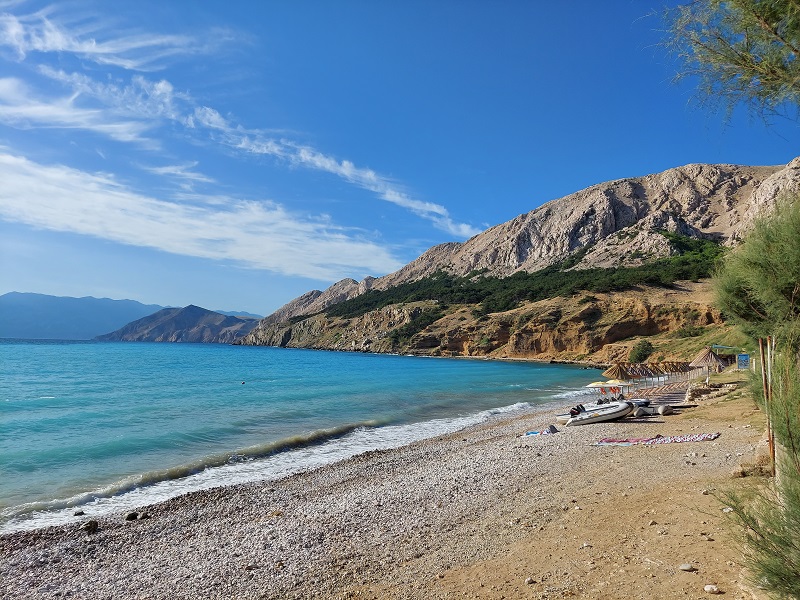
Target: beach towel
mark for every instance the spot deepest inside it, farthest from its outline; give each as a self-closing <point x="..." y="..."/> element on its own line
<point x="659" y="439"/>
<point x="621" y="441"/>
<point x="676" y="439"/>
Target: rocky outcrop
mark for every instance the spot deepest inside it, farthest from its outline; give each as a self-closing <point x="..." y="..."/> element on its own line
<point x="695" y="200"/>
<point x="612" y="224"/>
<point x="367" y="333"/>
<point x="316" y="301"/>
<point x="596" y="327"/>
<point x="189" y="324"/>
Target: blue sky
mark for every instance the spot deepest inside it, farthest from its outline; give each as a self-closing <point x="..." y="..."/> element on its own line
<point x="236" y="154"/>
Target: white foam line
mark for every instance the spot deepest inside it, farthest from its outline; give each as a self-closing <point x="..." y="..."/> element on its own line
<point x="274" y="467"/>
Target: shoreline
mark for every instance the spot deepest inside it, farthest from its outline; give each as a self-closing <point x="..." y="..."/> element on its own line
<point x="479" y="512"/>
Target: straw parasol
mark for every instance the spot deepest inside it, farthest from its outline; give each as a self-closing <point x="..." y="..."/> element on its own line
<point x="617" y="371"/>
<point x="708" y="359"/>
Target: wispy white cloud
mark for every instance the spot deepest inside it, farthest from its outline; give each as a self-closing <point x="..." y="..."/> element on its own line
<point x="262" y="235"/>
<point x="20" y="107"/>
<point x="132" y="111"/>
<point x="184" y="172"/>
<point x="365" y="178"/>
<point x="141" y="98"/>
<point x="40" y="32"/>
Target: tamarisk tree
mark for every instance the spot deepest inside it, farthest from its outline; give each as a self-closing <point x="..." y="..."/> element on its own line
<point x="742" y="51"/>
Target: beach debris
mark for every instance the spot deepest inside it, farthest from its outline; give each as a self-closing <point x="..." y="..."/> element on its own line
<point x="711" y="589"/>
<point x="549" y="431"/>
<point x="688" y="567"/>
<point x="90" y="526"/>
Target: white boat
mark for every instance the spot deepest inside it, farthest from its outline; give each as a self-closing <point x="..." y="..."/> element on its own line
<point x="605" y="412"/>
<point x="580" y="408"/>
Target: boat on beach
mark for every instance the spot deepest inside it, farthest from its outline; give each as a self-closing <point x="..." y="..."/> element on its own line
<point x="605" y="412"/>
<point x="581" y="408"/>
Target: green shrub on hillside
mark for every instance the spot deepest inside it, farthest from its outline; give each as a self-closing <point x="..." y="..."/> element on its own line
<point x="696" y="260"/>
<point x="404" y="333"/>
<point x="641" y="352"/>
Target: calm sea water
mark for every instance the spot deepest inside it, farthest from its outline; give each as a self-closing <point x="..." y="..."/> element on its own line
<point x="111" y="426"/>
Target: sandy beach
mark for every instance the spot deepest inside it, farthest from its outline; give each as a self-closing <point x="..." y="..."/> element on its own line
<point x="484" y="513"/>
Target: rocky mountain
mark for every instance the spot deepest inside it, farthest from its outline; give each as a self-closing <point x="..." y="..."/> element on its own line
<point x="614" y="224"/>
<point x="188" y="324"/>
<point x="39" y="316"/>
<point x="589" y="328"/>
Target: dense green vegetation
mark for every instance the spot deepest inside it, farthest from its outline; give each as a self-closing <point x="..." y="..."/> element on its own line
<point x="641" y="351"/>
<point x="696" y="260"/>
<point x="759" y="286"/>
<point x="748" y="51"/>
<point x="402" y="334"/>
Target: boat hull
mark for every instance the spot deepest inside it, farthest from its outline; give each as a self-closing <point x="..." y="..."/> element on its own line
<point x="562" y="419"/>
<point x="609" y="412"/>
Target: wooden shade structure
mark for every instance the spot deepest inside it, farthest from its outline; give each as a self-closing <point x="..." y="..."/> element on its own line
<point x="617" y="371"/>
<point x="708" y="358"/>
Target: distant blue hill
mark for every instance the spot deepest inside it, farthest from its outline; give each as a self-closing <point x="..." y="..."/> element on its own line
<point x="188" y="324"/>
<point x="38" y="316"/>
<point x="239" y="313"/>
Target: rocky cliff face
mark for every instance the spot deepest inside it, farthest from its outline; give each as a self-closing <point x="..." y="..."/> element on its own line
<point x="189" y="324"/>
<point x="597" y="327"/>
<point x="614" y="223"/>
<point x="607" y="225"/>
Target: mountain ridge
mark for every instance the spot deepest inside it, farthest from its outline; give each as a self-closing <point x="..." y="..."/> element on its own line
<point x="28" y="315"/>
<point x="616" y="224"/>
<point x="188" y="324"/>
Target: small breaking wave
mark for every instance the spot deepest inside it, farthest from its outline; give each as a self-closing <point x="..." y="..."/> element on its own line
<point x="269" y="461"/>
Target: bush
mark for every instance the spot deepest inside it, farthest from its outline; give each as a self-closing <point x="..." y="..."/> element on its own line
<point x="688" y="331"/>
<point x="697" y="259"/>
<point x="641" y="352"/>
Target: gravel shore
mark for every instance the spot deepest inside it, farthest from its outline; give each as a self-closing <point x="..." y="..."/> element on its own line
<point x="485" y="512"/>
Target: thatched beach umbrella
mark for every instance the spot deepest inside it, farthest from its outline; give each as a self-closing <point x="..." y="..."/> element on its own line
<point x="708" y="359"/>
<point x="617" y="371"/>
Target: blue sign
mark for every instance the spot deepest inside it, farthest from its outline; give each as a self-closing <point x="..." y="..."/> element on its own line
<point x="742" y="361"/>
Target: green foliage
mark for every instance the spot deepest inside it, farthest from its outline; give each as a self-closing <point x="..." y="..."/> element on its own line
<point x="695" y="261"/>
<point x="641" y="351"/>
<point x="403" y="334"/>
<point x="759" y="283"/>
<point x="741" y="51"/>
<point x="689" y="331"/>
<point x="770" y="525"/>
<point x="749" y="51"/>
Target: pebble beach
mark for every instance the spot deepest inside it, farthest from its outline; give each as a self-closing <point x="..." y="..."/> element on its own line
<point x="487" y="512"/>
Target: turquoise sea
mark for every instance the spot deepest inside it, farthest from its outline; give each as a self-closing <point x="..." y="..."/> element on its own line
<point x="104" y="427"/>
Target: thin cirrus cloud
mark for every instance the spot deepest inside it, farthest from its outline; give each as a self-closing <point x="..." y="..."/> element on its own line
<point x="132" y="112"/>
<point x="262" y="235"/>
<point x="255" y="142"/>
<point x="20" y="108"/>
<point x="39" y="32"/>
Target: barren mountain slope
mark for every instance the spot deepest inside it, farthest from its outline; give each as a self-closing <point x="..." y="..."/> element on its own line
<point x="614" y="224"/>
